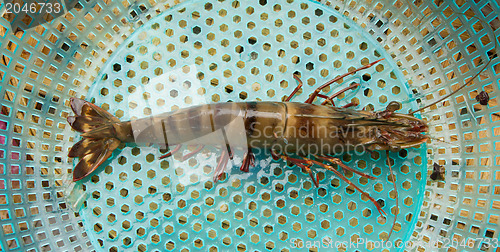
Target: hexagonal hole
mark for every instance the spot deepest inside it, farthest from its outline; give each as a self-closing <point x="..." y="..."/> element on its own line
<point x="311" y="233"/>
<point x="352" y="205"/>
<point x="339" y="215"/>
<point x="353" y="222"/>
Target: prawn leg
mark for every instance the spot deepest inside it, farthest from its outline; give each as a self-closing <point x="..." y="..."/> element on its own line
<point x="350" y="104"/>
<point x="345" y="167"/>
<point x="189" y="155"/>
<point x="327" y="98"/>
<point x="306" y="168"/>
<point x="330" y="168"/>
<point x="316" y="92"/>
<point x="352" y="86"/>
<point x="170" y="153"/>
<point x="296" y="88"/>
<point x="221" y="165"/>
<point x="302" y="164"/>
<point x="306" y="163"/>
<point x="248" y="160"/>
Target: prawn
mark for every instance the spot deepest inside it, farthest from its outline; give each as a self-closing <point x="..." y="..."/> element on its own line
<point x="282" y="128"/>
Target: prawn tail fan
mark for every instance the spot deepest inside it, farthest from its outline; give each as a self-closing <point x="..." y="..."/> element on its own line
<point x="98" y="136"/>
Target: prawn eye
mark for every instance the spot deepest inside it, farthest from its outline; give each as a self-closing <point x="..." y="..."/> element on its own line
<point x="483" y="98"/>
<point x="393" y="106"/>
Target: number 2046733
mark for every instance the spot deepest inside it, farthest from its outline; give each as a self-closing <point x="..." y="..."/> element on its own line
<point x="471" y="243"/>
<point x="33" y="8"/>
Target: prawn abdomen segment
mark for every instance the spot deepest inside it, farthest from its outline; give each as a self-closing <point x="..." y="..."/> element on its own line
<point x="234" y="124"/>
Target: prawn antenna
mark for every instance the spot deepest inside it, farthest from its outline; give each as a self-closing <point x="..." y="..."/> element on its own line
<point x="477" y="74"/>
<point x="439" y="140"/>
<point x="434" y="138"/>
<point x="396" y="191"/>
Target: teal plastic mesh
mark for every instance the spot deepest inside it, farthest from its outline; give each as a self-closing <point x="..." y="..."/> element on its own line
<point x="239" y="53"/>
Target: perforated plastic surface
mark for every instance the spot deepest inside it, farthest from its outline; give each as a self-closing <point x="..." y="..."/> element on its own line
<point x="433" y="47"/>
